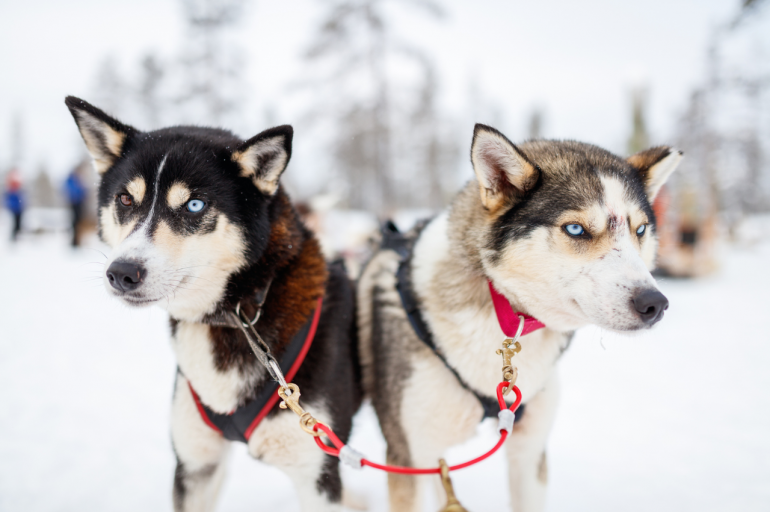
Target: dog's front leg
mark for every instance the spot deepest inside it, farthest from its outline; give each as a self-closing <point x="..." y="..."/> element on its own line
<point x="280" y="442"/>
<point x="200" y="452"/>
<point x="424" y="427"/>
<point x="527" y="467"/>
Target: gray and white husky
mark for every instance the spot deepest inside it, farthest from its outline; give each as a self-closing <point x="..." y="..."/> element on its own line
<point x="566" y="232"/>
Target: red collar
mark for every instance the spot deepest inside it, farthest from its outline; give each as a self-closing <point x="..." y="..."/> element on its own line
<point x="508" y="318"/>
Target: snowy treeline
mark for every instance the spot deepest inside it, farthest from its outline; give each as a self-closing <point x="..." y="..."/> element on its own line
<point x="725" y="128"/>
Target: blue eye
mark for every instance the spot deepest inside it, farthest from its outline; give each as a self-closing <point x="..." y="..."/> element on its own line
<point x="641" y="229"/>
<point x="574" y="229"/>
<point x="195" y="205"/>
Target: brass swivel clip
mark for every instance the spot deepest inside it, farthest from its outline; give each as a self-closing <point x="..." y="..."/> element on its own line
<point x="291" y="401"/>
<point x="511" y="347"/>
<point x="452" y="503"/>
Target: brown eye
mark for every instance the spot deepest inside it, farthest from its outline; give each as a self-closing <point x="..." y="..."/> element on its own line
<point x="126" y="200"/>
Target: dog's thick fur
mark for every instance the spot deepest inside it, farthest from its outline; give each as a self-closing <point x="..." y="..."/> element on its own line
<point x="508" y="226"/>
<point x="198" y="265"/>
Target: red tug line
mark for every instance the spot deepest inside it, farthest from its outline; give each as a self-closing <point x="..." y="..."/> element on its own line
<point x="509" y="323"/>
<point x="338" y="445"/>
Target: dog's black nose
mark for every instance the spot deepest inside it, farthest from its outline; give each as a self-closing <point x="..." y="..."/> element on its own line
<point x="650" y="304"/>
<point x="125" y="275"/>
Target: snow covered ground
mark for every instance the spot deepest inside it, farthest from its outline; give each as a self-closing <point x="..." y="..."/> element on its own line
<point x="674" y="419"/>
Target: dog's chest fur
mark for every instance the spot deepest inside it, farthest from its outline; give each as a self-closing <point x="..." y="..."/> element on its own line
<point x="222" y="389"/>
<point x="459" y="311"/>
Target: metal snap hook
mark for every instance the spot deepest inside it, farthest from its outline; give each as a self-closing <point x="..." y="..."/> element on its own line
<point x="519" y="330"/>
<point x="242" y="315"/>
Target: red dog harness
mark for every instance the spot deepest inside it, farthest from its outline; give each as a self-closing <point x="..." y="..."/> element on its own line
<point x="240" y="424"/>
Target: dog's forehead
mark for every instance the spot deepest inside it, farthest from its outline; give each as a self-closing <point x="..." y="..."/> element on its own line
<point x="164" y="160"/>
<point x="586" y="175"/>
<point x="571" y="159"/>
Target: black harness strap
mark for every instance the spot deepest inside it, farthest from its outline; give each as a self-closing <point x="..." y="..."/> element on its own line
<point x="402" y="244"/>
<point x="238" y="425"/>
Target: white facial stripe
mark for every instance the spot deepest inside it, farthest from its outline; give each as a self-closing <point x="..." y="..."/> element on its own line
<point x="615" y="203"/>
<point x="146" y="222"/>
<point x="177" y="195"/>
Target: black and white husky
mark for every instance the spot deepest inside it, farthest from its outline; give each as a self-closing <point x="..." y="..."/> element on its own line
<point x="565" y="231"/>
<point x="199" y="224"/>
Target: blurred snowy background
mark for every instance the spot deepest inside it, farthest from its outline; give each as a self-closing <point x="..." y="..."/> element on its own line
<point x="381" y="91"/>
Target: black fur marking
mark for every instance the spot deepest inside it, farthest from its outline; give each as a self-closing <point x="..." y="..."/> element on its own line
<point x="329" y="482"/>
<point x="184" y="480"/>
<point x="179" y="487"/>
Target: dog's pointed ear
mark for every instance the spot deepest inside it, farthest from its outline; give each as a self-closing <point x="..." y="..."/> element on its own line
<point x="264" y="157"/>
<point x="501" y="168"/>
<point x="105" y="136"/>
<point x="655" y="165"/>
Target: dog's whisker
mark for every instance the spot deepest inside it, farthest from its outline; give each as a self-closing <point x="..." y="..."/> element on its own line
<point x="97" y="250"/>
<point x="190" y="276"/>
<point x="91" y="263"/>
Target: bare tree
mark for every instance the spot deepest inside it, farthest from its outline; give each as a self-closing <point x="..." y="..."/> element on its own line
<point x="433" y="145"/>
<point x="639" y="138"/>
<point x="17" y="140"/>
<point x="42" y="192"/>
<point x="149" y="93"/>
<point x="374" y="114"/>
<point x="204" y="84"/>
<point x="111" y="89"/>
<point x="536" y="124"/>
<point x="724" y="129"/>
<point x="212" y="65"/>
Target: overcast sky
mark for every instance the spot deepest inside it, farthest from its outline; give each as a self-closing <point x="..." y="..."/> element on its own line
<point x="575" y="59"/>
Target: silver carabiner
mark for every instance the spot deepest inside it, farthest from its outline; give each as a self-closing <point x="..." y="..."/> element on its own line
<point x="241" y="316"/>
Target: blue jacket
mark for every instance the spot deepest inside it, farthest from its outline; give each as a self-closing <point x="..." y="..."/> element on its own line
<point x="14" y="201"/>
<point x="74" y="189"/>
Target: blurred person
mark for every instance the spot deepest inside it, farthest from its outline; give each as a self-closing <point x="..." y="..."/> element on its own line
<point x="76" y="194"/>
<point x="14" y="200"/>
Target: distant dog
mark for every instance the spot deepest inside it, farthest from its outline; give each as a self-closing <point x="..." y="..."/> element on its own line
<point x="566" y="233"/>
<point x="200" y="225"/>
